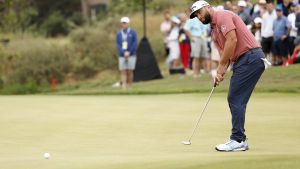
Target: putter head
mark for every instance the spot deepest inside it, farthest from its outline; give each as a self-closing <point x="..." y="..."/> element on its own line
<point x="186" y="142"/>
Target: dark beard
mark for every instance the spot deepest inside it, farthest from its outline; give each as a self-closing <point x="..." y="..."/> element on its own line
<point x="207" y="19"/>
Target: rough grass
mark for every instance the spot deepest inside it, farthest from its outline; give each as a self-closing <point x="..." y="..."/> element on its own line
<point x="134" y="132"/>
<point x="276" y="79"/>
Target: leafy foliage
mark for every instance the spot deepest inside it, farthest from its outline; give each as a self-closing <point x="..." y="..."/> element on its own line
<point x="33" y="61"/>
<point x="94" y="51"/>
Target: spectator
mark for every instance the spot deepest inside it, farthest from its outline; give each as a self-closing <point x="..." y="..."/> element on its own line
<point x="242" y="5"/>
<point x="235" y="9"/>
<point x="285" y="5"/>
<point x="297" y="24"/>
<point x="257" y="29"/>
<point x="215" y="59"/>
<point x="126" y="42"/>
<point x="197" y="33"/>
<point x="267" y="33"/>
<point x="295" y="58"/>
<point x="165" y="28"/>
<point x="293" y="33"/>
<point x="281" y="28"/>
<point x="173" y="60"/>
<point x="228" y="5"/>
<point x="184" y="43"/>
<point x="259" y="9"/>
<point x="249" y="7"/>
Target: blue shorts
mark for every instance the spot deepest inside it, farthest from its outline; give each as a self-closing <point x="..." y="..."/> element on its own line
<point x="281" y="47"/>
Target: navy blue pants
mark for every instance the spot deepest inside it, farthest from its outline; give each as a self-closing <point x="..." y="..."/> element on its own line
<point x="246" y="72"/>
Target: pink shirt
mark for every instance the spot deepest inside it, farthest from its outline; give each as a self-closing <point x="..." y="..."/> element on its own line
<point x="224" y="21"/>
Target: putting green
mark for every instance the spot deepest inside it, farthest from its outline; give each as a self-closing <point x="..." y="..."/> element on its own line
<point x="144" y="132"/>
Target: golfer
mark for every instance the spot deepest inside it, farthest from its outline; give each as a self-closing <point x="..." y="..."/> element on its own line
<point x="237" y="46"/>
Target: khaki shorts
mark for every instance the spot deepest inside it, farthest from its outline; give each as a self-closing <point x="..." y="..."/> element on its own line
<point x="128" y="64"/>
<point x="215" y="56"/>
<point x="199" y="48"/>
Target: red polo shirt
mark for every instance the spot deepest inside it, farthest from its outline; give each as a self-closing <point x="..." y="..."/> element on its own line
<point x="224" y="21"/>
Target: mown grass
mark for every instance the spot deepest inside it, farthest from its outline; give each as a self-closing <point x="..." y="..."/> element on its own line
<point x="145" y="132"/>
<point x="275" y="79"/>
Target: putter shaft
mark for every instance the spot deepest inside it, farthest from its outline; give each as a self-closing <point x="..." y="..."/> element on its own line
<point x="200" y="117"/>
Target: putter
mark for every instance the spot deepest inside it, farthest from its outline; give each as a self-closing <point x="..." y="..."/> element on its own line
<point x="188" y="142"/>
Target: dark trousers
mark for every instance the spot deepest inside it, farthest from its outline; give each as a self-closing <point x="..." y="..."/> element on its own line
<point x="246" y="72"/>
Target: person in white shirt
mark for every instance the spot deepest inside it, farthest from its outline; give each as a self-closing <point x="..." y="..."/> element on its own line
<point x="267" y="29"/>
<point x="173" y="60"/>
<point x="257" y="29"/>
<point x="165" y="29"/>
<point x="293" y="33"/>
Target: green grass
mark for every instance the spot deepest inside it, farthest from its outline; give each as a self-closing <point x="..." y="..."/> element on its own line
<point x="276" y="79"/>
<point x="145" y="131"/>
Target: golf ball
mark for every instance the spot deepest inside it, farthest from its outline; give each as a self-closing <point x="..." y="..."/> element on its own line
<point x="47" y="155"/>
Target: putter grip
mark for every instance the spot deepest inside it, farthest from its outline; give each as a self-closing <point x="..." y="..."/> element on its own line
<point x="215" y="84"/>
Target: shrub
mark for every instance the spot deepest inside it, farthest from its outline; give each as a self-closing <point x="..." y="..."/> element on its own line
<point x="94" y="51"/>
<point x="55" y="25"/>
<point x="34" y="61"/>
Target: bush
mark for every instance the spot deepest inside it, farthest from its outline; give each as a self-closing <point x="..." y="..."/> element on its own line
<point x="34" y="61"/>
<point x="17" y="88"/>
<point x="94" y="51"/>
<point x="55" y="25"/>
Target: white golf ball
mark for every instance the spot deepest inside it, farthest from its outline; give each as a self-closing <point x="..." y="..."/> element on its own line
<point x="47" y="155"/>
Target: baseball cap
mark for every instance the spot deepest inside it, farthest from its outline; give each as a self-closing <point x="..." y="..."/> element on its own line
<point x="262" y="1"/>
<point x="257" y="20"/>
<point x="125" y="20"/>
<point x="242" y="3"/>
<point x="279" y="7"/>
<point x="196" y="6"/>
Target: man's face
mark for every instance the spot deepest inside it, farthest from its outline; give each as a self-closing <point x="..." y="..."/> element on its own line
<point x="292" y="9"/>
<point x="240" y="8"/>
<point x="203" y="15"/>
<point x="167" y="16"/>
<point x="124" y="25"/>
<point x="279" y="13"/>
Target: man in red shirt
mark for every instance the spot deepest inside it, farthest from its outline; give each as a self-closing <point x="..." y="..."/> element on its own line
<point x="237" y="46"/>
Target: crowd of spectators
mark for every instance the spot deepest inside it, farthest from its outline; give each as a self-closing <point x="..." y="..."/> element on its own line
<point x="275" y="25"/>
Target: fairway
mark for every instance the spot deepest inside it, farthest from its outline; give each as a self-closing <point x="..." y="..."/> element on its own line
<point x="145" y="132"/>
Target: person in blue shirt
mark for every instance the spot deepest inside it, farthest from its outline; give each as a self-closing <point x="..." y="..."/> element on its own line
<point x="126" y="42"/>
<point x="281" y="29"/>
<point x="197" y="33"/>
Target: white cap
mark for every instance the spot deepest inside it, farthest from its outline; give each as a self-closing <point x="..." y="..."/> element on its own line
<point x="257" y="20"/>
<point x="196" y="6"/>
<point x="262" y="1"/>
<point x="175" y="20"/>
<point x="125" y="20"/>
<point x="242" y="3"/>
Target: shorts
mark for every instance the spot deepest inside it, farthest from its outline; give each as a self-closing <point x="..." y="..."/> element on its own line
<point x="266" y="44"/>
<point x="128" y="64"/>
<point x="281" y="47"/>
<point x="174" y="51"/>
<point x="199" y="48"/>
<point x="215" y="56"/>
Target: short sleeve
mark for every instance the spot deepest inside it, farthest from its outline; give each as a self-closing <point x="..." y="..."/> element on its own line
<point x="186" y="26"/>
<point x="225" y="24"/>
<point x="288" y="23"/>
